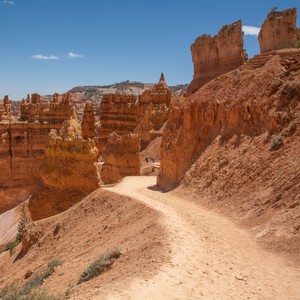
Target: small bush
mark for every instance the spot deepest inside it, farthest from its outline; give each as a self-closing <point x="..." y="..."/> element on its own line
<point x="290" y="89"/>
<point x="11" y="246"/>
<point x="286" y="44"/>
<point x="23" y="221"/>
<point x="276" y="83"/>
<point x="99" y="266"/>
<point x="40" y="278"/>
<point x="34" y="295"/>
<point x="276" y="143"/>
<point x="27" y="291"/>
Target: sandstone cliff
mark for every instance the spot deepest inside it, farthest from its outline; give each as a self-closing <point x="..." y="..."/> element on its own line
<point x="23" y="143"/>
<point x="156" y="101"/>
<point x="33" y="110"/>
<point x="69" y="159"/>
<point x="22" y="147"/>
<point x="118" y="113"/>
<point x="5" y="110"/>
<point x="88" y="121"/>
<point x="214" y="56"/>
<point x="278" y="30"/>
<point x="121" y="157"/>
<point x="123" y="113"/>
<point x="68" y="171"/>
<point x="235" y="142"/>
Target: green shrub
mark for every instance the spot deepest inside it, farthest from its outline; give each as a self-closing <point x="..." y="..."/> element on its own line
<point x="23" y="221"/>
<point x="27" y="291"/>
<point x="99" y="266"/>
<point x="276" y="143"/>
<point x="290" y="89"/>
<point x="39" y="278"/>
<point x="34" y="295"/>
<point x="276" y="83"/>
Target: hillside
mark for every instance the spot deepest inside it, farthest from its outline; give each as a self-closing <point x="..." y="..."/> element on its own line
<point x="97" y="225"/>
<point x="81" y="94"/>
<point x="169" y="246"/>
<point x="124" y="88"/>
<point x="242" y="158"/>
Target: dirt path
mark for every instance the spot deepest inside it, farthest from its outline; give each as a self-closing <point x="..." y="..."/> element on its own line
<point x="212" y="257"/>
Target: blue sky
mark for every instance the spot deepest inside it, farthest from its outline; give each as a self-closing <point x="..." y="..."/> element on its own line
<point x="51" y="46"/>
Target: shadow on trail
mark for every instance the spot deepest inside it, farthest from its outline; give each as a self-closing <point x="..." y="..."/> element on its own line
<point x="156" y="188"/>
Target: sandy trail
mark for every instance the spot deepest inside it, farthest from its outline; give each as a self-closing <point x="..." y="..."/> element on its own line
<point x="211" y="257"/>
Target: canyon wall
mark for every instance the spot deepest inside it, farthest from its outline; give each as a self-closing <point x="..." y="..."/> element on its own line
<point x="234" y="146"/>
<point x="69" y="159"/>
<point x="120" y="157"/>
<point x="214" y="56"/>
<point x="156" y="100"/>
<point x="88" y="121"/>
<point x="123" y="113"/>
<point x="68" y="171"/>
<point x="33" y="110"/>
<point x="279" y="31"/>
<point x="22" y="147"/>
<point x="118" y="113"/>
<point x="5" y="110"/>
<point x="235" y="103"/>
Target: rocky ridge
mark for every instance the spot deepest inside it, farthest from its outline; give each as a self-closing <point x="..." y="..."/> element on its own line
<point x="242" y="155"/>
<point x="214" y="56"/>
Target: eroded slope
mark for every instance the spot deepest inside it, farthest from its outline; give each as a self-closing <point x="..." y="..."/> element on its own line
<point x="235" y="143"/>
<point x="98" y="224"/>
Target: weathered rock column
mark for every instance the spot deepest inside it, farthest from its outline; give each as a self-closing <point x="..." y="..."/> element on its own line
<point x="214" y="56"/>
<point x="278" y="31"/>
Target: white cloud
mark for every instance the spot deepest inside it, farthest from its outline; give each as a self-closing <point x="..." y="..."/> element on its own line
<point x="251" y="30"/>
<point x="74" y="55"/>
<point x="9" y="2"/>
<point x="40" y="56"/>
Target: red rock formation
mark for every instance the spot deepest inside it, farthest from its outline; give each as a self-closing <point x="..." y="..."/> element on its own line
<point x="33" y="110"/>
<point x="156" y="100"/>
<point x="88" y="121"/>
<point x="145" y="130"/>
<point x="121" y="157"/>
<point x="5" y="110"/>
<point x="21" y="154"/>
<point x="68" y="171"/>
<point x="230" y="104"/>
<point x="69" y="159"/>
<point x="123" y="113"/>
<point x="278" y="31"/>
<point x="214" y="56"/>
<point x="22" y="146"/>
<point x="235" y="144"/>
<point x="118" y="113"/>
<point x="158" y="94"/>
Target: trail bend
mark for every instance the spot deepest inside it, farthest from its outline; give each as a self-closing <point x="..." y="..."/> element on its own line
<point x="212" y="258"/>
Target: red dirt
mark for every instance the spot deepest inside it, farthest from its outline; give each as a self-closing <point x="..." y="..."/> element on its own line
<point x="98" y="224"/>
<point x="172" y="248"/>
